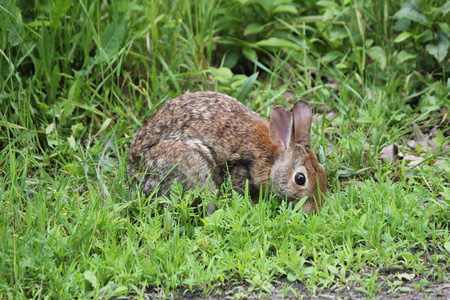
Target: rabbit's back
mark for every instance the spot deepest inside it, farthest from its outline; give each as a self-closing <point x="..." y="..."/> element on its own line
<point x="203" y="132"/>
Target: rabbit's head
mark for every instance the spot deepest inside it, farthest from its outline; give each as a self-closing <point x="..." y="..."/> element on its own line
<point x="296" y="173"/>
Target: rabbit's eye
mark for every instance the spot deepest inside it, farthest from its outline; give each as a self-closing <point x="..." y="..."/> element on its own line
<point x="300" y="179"/>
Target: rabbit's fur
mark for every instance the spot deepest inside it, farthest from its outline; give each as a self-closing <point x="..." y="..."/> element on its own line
<point x="200" y="138"/>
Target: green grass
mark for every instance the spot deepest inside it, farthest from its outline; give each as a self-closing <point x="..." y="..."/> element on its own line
<point x="77" y="78"/>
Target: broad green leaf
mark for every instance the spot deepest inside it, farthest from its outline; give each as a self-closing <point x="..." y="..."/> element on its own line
<point x="291" y="277"/>
<point x="253" y="28"/>
<point x="38" y="23"/>
<point x="402" y="36"/>
<point x="250" y="53"/>
<point x="309" y="19"/>
<point x="242" y="93"/>
<point x="331" y="56"/>
<point x="49" y="129"/>
<point x="74" y="95"/>
<point x="267" y="5"/>
<point x="72" y="142"/>
<point x="127" y="6"/>
<point x="60" y="10"/>
<point x="112" y="37"/>
<point x="447" y="246"/>
<point x="121" y="290"/>
<point x="342" y="66"/>
<point x="362" y="220"/>
<point x="90" y="276"/>
<point x="338" y="34"/>
<point x="333" y="269"/>
<point x="446" y="192"/>
<point x="55" y="82"/>
<point x="411" y="14"/>
<point x="402" y="25"/>
<point x="238" y="81"/>
<point x="439" y="50"/>
<point x="74" y="91"/>
<point x="104" y="125"/>
<point x="231" y="59"/>
<point x="11" y="125"/>
<point x="46" y="50"/>
<point x="404" y="56"/>
<point x="422" y="283"/>
<point x="77" y="128"/>
<point x="222" y="74"/>
<point x="216" y="218"/>
<point x="299" y="204"/>
<point x="85" y="106"/>
<point x="327" y="4"/>
<point x="369" y="43"/>
<point x="444" y="27"/>
<point x="15" y="27"/>
<point x="444" y="9"/>
<point x="426" y="36"/>
<point x="379" y="55"/>
<point x="289" y="8"/>
<point x="278" y="43"/>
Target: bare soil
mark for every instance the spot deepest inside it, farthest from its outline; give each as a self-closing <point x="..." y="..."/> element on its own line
<point x="283" y="289"/>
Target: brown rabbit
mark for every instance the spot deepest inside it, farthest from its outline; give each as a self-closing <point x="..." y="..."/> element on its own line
<point x="200" y="138"/>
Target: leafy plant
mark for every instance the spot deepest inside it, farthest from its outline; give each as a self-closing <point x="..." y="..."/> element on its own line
<point x="424" y="26"/>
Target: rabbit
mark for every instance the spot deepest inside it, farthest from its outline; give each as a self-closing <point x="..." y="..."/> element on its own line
<point x="200" y="138"/>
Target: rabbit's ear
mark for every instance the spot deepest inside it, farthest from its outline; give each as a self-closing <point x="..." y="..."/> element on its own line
<point x="302" y="114"/>
<point x="280" y="127"/>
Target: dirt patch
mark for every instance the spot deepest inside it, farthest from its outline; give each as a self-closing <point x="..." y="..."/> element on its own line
<point x="283" y="289"/>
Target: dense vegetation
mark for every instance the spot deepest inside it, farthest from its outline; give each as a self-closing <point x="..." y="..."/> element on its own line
<point x="77" y="78"/>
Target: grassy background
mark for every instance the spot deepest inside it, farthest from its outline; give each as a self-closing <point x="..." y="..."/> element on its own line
<point x="78" y="77"/>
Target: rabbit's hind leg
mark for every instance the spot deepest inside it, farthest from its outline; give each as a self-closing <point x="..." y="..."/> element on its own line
<point x="187" y="162"/>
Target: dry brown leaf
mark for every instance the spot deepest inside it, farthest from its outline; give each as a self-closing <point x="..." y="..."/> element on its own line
<point x="390" y="153"/>
<point x="443" y="286"/>
<point x="331" y="115"/>
<point x="412" y="144"/>
<point x="424" y="140"/>
<point x="413" y="160"/>
<point x="289" y="96"/>
<point x="405" y="276"/>
<point x="440" y="164"/>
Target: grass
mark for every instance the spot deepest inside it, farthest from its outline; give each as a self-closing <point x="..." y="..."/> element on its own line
<point x="79" y="77"/>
